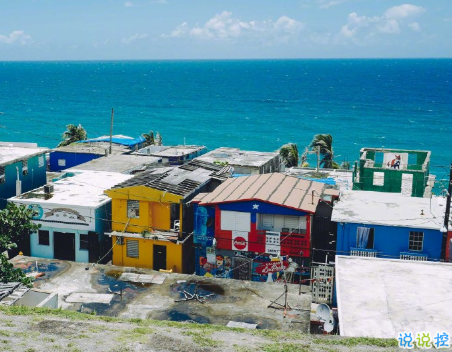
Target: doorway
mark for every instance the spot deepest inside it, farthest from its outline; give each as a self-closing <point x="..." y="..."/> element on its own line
<point x="64" y="245"/>
<point x="159" y="258"/>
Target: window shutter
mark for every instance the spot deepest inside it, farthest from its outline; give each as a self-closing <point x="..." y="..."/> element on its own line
<point x="267" y="222"/>
<point x="291" y="222"/>
<point x="243" y="221"/>
<point x="227" y="220"/>
<point x="132" y="248"/>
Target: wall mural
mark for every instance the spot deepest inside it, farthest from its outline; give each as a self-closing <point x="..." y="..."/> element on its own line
<point x="66" y="215"/>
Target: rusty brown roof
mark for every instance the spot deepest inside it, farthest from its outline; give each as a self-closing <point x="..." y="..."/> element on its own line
<point x="273" y="188"/>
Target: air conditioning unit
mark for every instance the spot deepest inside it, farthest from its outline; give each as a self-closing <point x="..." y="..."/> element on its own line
<point x="48" y="189"/>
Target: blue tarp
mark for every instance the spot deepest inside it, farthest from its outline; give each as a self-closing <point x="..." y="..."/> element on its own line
<point x="328" y="181"/>
<point x="122" y="141"/>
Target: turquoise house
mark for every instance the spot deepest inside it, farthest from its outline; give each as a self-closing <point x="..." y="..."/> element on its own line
<point x="22" y="168"/>
<point x="74" y="215"/>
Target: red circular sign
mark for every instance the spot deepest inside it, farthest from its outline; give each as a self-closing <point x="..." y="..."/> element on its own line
<point x="239" y="243"/>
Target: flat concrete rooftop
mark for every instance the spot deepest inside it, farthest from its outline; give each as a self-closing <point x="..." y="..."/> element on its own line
<point x="121" y="163"/>
<point x="13" y="152"/>
<point x="235" y="156"/>
<point x="382" y="297"/>
<point x="232" y="300"/>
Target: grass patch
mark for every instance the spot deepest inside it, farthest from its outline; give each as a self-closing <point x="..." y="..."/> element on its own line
<point x="284" y="347"/>
<point x="357" y="341"/>
<point x="201" y="339"/>
<point x="136" y="335"/>
<point x="4" y="333"/>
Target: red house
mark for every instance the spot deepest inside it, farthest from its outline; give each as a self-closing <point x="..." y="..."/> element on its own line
<point x="261" y="225"/>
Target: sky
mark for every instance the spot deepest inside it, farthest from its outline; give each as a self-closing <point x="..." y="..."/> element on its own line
<point x="223" y="29"/>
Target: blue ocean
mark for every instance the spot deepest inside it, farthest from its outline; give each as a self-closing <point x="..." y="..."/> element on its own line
<point x="250" y="104"/>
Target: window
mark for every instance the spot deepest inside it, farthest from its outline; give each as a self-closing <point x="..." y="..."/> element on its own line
<point x="83" y="242"/>
<point x="379" y="179"/>
<point x="365" y="237"/>
<point x="43" y="238"/>
<point x="41" y="161"/>
<point x="267" y="222"/>
<point x="235" y="221"/>
<point x="132" y="248"/>
<point x="24" y="167"/>
<point x="133" y="208"/>
<point x="61" y="162"/>
<point x="416" y="241"/>
<point x="2" y="174"/>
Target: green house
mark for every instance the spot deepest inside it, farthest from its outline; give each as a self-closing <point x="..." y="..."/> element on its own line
<point x="394" y="170"/>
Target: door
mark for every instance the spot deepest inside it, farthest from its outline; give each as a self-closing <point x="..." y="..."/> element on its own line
<point x="159" y="258"/>
<point x="242" y="268"/>
<point x="64" y="245"/>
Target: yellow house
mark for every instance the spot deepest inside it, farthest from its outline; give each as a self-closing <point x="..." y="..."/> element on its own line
<point x="152" y="220"/>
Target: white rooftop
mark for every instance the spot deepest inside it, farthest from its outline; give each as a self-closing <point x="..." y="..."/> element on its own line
<point x="235" y="156"/>
<point x="382" y="297"/>
<point x="169" y="151"/>
<point x="389" y="209"/>
<point x="13" y="152"/>
<point x="83" y="189"/>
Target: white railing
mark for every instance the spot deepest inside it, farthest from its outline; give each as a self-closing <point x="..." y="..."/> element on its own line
<point x="413" y="256"/>
<point x="362" y="252"/>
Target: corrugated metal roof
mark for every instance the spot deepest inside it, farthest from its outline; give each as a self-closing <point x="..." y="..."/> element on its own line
<point x="182" y="180"/>
<point x="274" y="188"/>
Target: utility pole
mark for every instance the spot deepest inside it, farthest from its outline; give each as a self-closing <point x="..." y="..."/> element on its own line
<point x="449" y="191"/>
<point x="111" y="126"/>
<point x="318" y="158"/>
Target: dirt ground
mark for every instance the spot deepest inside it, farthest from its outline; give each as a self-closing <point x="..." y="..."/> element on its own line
<point x="35" y="330"/>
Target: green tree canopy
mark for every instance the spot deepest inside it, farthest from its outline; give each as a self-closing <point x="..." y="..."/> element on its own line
<point x="325" y="142"/>
<point x="149" y="138"/>
<point x="15" y="223"/>
<point x="289" y="154"/>
<point x="73" y="134"/>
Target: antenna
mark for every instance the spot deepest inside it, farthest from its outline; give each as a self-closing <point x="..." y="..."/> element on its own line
<point x="323" y="312"/>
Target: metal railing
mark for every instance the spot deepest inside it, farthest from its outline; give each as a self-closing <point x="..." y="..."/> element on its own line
<point x="363" y="252"/>
<point x="413" y="256"/>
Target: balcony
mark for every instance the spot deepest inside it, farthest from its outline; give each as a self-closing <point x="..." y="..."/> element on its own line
<point x="363" y="252"/>
<point x="413" y="256"/>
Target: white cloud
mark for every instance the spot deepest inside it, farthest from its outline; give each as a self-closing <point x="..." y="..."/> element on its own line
<point x="403" y="11"/>
<point x="224" y="26"/>
<point x="326" y="4"/>
<point x="15" y="37"/>
<point x="129" y="4"/>
<point x="391" y="22"/>
<point x="415" y="26"/>
<point x="133" y="38"/>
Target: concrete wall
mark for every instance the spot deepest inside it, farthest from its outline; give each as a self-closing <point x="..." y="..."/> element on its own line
<point x="35" y="178"/>
<point x="35" y="298"/>
<point x="389" y="241"/>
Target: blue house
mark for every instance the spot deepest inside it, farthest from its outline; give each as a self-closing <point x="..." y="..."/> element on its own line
<point x="74" y="214"/>
<point x="22" y="168"/>
<point x="388" y="225"/>
<point x="256" y="227"/>
<point x="72" y="155"/>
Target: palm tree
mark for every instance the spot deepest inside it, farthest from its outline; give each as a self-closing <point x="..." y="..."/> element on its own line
<point x="73" y="134"/>
<point x="289" y="154"/>
<point x="325" y="142"/>
<point x="149" y="139"/>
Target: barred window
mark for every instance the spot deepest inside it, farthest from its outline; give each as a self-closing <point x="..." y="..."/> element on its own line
<point x="132" y="248"/>
<point x="24" y="167"/>
<point x="416" y="241"/>
<point x="2" y="174"/>
<point x="133" y="209"/>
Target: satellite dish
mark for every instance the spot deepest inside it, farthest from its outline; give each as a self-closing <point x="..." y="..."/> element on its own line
<point x="323" y="312"/>
<point x="329" y="325"/>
